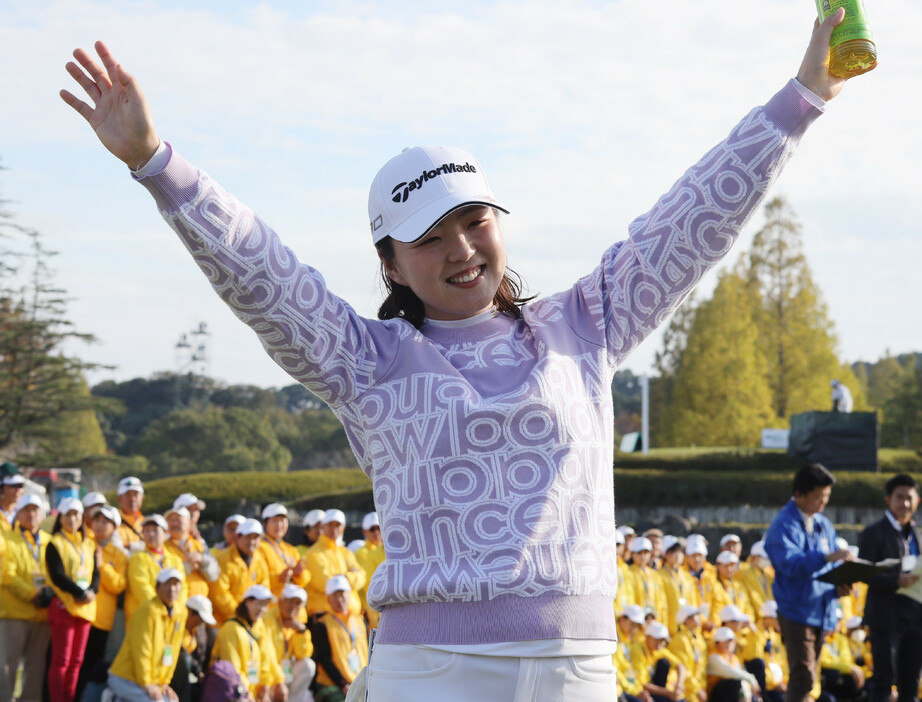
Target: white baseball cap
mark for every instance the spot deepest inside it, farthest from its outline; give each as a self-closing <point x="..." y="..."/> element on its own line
<point x="15" y="479"/>
<point x="334" y="515"/>
<point x="732" y="613"/>
<point x="635" y="613"/>
<point x="238" y="518"/>
<point x="769" y="609"/>
<point x="641" y="543"/>
<point x="201" y="605"/>
<point x="274" y="509"/>
<point x="728" y="538"/>
<point x="249" y="526"/>
<point x="724" y="634"/>
<point x="169" y="574"/>
<point x="758" y="549"/>
<point x="337" y="583"/>
<point x="686" y="611"/>
<point x="91" y="499"/>
<point x="155" y="519"/>
<point x="129" y="484"/>
<point x="669" y="541"/>
<point x="70" y="504"/>
<point x="187" y="499"/>
<point x="181" y="511"/>
<point x="370" y="520"/>
<point x="626" y="530"/>
<point x="726" y="557"/>
<point x="696" y="544"/>
<point x="314" y="517"/>
<point x="657" y="630"/>
<point x="258" y="592"/>
<point x="416" y="189"/>
<point x="27" y="500"/>
<point x="292" y="591"/>
<point x="619" y="537"/>
<point x="110" y="513"/>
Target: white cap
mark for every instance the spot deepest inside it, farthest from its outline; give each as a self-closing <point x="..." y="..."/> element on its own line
<point x="201" y="605"/>
<point x="187" y="499"/>
<point x="641" y="543"/>
<point x="686" y="611"/>
<point x="129" y="484"/>
<point x="258" y="592"/>
<point x="853" y="623"/>
<point x="769" y="609"/>
<point x="626" y="530"/>
<point x="292" y="591"/>
<point x="726" y="557"/>
<point x="657" y="630"/>
<point x="728" y="538"/>
<point x="274" y="509"/>
<point x="337" y="583"/>
<point x="169" y="574"/>
<point x="155" y="519"/>
<point x="235" y="518"/>
<point x="696" y="544"/>
<point x="724" y="634"/>
<point x="91" y="499"/>
<point x="27" y="500"/>
<point x="334" y="515"/>
<point x="181" y="511"/>
<point x="314" y="517"/>
<point x="370" y="520"/>
<point x="70" y="504"/>
<point x="15" y="479"/>
<point x="248" y="527"/>
<point x="635" y="613"/>
<point x="758" y="549"/>
<point x="417" y="188"/>
<point x="669" y="541"/>
<point x="732" y="613"/>
<point x="355" y="545"/>
<point x="110" y="513"/>
<point x="619" y="537"/>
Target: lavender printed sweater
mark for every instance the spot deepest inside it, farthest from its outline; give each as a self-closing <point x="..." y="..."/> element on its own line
<point x="490" y="446"/>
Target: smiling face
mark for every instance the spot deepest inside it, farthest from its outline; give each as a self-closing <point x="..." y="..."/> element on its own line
<point x="71" y="521"/>
<point x="457" y="268"/>
<point x="903" y="503"/>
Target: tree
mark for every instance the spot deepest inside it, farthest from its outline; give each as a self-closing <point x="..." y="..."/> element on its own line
<point x="666" y="364"/>
<point x="797" y="336"/>
<point x="721" y="394"/>
<point x="902" y="408"/>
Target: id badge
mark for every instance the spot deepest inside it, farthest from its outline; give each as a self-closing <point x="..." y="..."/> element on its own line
<point x="354" y="665"/>
<point x="82" y="579"/>
<point x="286" y="671"/>
<point x="252" y="672"/>
<point x="38" y="580"/>
<point x="167" y="659"/>
<point x="909" y="563"/>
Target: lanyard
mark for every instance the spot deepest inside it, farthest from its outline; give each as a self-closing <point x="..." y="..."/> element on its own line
<point x="348" y="629"/>
<point x="37" y="550"/>
<point x="250" y="634"/>
<point x="275" y="547"/>
<point x="79" y="550"/>
<point x="158" y="560"/>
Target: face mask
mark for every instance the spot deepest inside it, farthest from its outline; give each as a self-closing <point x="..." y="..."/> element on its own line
<point x="859" y="635"/>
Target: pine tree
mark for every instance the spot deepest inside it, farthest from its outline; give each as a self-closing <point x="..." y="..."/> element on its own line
<point x="721" y="396"/>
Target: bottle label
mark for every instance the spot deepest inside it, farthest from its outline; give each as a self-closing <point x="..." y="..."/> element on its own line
<point x="854" y="26"/>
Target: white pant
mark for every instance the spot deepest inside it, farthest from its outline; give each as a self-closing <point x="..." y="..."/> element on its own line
<point x="416" y="674"/>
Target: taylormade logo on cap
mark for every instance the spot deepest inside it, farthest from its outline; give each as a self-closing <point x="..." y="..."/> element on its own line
<point x="415" y="190"/>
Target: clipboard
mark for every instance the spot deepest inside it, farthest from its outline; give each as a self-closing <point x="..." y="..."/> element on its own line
<point x="858" y="571"/>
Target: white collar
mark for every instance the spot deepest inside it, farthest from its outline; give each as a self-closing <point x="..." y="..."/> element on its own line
<point x="895" y="524"/>
<point x="466" y="322"/>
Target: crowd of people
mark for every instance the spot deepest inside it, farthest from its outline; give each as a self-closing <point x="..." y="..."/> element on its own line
<point x="140" y="604"/>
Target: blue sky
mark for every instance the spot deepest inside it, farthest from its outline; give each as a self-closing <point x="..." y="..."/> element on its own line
<point x="581" y="114"/>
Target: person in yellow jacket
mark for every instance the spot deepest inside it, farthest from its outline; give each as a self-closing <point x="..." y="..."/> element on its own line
<point x="860" y="648"/>
<point x="648" y="590"/>
<point x="840" y="676"/>
<point x="200" y="566"/>
<point x="113" y="579"/>
<point x="292" y="639"/>
<point x="143" y="566"/>
<point x="72" y="563"/>
<point x="755" y="577"/>
<point x="313" y="521"/>
<point x="327" y="558"/>
<point x="625" y="594"/>
<point x="679" y="588"/>
<point x="629" y="657"/>
<point x="767" y="631"/>
<point x="284" y="562"/>
<point x="24" y="599"/>
<point x="728" y="681"/>
<point x="689" y="646"/>
<point x="725" y="591"/>
<point x="244" y="642"/>
<point x="340" y="643"/>
<point x="144" y="665"/>
<point x="11" y="489"/>
<point x="704" y="576"/>
<point x="370" y="556"/>
<point x="229" y="532"/>
<point x="242" y="566"/>
<point x="666" y="672"/>
<point x="130" y="497"/>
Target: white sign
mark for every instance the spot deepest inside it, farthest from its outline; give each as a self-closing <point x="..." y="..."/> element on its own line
<point x="775" y="438"/>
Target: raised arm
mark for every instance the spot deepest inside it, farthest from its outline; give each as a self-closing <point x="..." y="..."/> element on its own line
<point x="120" y="114"/>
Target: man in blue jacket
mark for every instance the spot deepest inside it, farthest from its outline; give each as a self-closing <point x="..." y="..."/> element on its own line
<point x="801" y="544"/>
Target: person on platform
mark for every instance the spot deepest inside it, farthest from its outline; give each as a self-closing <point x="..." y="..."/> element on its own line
<point x="800" y="543"/>
<point x="841" y="397"/>
<point x="894" y="620"/>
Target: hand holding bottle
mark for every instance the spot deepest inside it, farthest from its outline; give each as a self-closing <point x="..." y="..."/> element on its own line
<point x="814" y="69"/>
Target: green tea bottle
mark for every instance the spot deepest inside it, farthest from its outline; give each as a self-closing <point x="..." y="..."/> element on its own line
<point x="851" y="50"/>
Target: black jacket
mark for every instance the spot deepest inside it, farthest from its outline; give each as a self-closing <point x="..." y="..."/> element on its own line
<point x="884" y="607"/>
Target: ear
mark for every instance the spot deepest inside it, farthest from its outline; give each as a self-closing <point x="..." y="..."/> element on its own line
<point x="390" y="267"/>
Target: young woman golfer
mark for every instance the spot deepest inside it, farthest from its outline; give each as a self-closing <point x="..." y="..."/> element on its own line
<point x="483" y="422"/>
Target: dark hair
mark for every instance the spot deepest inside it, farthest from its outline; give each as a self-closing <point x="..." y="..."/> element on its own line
<point x="57" y="524"/>
<point x="901" y="480"/>
<point x="243" y="613"/>
<point x="403" y="303"/>
<point x="811" y="476"/>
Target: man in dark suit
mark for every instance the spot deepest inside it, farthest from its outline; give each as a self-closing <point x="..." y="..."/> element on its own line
<point x="894" y="621"/>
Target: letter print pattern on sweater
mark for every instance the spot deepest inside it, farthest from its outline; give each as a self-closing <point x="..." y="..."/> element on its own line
<point x="489" y="447"/>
